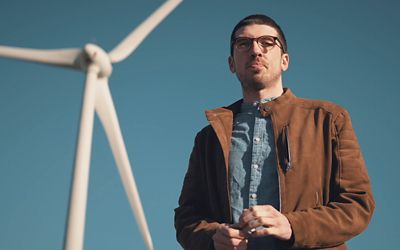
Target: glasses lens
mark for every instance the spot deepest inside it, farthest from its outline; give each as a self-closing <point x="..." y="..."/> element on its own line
<point x="243" y="43"/>
<point x="266" y="41"/>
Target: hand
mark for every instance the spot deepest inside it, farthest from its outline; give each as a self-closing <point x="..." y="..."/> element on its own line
<point x="227" y="238"/>
<point x="265" y="220"/>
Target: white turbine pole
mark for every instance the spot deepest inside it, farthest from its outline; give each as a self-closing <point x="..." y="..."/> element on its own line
<point x="105" y="109"/>
<point x="79" y="189"/>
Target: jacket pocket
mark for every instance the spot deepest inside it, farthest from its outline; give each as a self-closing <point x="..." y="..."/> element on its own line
<point x="284" y="149"/>
<point x="317" y="200"/>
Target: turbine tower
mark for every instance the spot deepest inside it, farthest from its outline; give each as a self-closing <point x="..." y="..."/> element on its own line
<point x="97" y="98"/>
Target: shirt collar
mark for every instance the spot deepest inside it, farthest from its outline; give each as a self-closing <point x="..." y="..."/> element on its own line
<point x="252" y="107"/>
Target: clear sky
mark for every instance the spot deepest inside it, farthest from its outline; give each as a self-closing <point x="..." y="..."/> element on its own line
<point x="343" y="51"/>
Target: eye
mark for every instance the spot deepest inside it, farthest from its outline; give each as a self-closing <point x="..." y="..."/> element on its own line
<point x="266" y="41"/>
<point x="243" y="42"/>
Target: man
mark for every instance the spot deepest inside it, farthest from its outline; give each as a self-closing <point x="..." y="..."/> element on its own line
<point x="272" y="171"/>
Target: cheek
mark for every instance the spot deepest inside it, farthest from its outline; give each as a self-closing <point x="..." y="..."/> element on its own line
<point x="237" y="68"/>
<point x="275" y="63"/>
<point x="239" y="60"/>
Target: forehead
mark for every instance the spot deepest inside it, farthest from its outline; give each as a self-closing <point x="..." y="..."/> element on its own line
<point x="256" y="30"/>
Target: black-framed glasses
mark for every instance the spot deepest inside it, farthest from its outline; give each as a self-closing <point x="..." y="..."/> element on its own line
<point x="264" y="42"/>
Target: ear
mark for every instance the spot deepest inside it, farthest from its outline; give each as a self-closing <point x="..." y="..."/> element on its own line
<point x="231" y="64"/>
<point x="285" y="62"/>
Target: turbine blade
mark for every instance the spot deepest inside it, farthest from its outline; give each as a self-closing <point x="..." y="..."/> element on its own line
<point x="108" y="117"/>
<point x="132" y="41"/>
<point x="59" y="57"/>
<point x="79" y="187"/>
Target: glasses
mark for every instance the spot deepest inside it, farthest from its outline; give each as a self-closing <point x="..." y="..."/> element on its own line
<point x="264" y="42"/>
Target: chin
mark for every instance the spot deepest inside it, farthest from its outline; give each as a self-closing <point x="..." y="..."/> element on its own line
<point x="254" y="86"/>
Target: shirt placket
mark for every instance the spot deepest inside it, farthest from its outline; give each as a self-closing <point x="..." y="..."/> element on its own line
<point x="255" y="169"/>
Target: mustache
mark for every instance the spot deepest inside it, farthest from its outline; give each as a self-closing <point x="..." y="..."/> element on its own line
<point x="257" y="61"/>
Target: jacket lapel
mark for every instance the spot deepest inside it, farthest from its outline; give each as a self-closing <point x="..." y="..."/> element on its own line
<point x="221" y="120"/>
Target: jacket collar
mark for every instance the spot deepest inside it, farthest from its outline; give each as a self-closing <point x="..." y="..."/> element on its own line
<point x="234" y="108"/>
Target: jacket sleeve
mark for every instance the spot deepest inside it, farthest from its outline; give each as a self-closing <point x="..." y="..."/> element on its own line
<point x="350" y="209"/>
<point x="193" y="229"/>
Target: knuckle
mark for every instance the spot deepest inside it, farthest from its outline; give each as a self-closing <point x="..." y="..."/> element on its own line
<point x="256" y="213"/>
<point x="267" y="231"/>
<point x="269" y="207"/>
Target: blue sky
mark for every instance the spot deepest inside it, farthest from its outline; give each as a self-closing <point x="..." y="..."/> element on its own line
<point x="343" y="51"/>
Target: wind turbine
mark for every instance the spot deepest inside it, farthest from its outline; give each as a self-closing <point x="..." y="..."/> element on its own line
<point x="97" y="98"/>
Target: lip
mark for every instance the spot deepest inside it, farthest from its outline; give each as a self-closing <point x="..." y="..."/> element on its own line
<point x="256" y="65"/>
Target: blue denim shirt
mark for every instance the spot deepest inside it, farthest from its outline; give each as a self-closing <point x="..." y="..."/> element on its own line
<point x="253" y="166"/>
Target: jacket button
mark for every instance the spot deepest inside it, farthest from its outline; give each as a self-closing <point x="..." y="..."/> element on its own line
<point x="253" y="196"/>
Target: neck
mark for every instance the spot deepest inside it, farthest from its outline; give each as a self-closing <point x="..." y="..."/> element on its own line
<point x="253" y="96"/>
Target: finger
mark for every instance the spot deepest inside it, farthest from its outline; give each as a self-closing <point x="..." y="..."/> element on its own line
<point x="235" y="226"/>
<point x="242" y="245"/>
<point x="235" y="233"/>
<point x="264" y="210"/>
<point x="264" y="213"/>
<point x="245" y="218"/>
<point x="260" y="224"/>
<point x="245" y="213"/>
<point x="263" y="231"/>
<point x="253" y="225"/>
<point x="246" y="228"/>
<point x="228" y="232"/>
<point x="274" y="228"/>
<point x="269" y="222"/>
<point x="256" y="216"/>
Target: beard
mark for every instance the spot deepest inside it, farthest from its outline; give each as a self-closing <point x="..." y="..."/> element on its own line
<point x="259" y="80"/>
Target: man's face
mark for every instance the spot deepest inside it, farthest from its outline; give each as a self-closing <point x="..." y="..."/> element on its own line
<point x="257" y="68"/>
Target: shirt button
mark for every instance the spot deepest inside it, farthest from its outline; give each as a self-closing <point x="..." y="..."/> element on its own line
<point x="256" y="139"/>
<point x="255" y="166"/>
<point x="253" y="196"/>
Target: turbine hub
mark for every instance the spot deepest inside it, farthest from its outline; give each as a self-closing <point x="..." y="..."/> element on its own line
<point x="93" y="54"/>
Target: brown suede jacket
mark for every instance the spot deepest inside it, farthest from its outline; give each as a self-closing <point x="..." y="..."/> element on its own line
<point x="324" y="187"/>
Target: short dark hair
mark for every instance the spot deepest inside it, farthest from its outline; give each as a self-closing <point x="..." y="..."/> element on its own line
<point x="259" y="19"/>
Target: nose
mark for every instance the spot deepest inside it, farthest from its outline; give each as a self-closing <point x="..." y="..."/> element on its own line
<point x="255" y="49"/>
